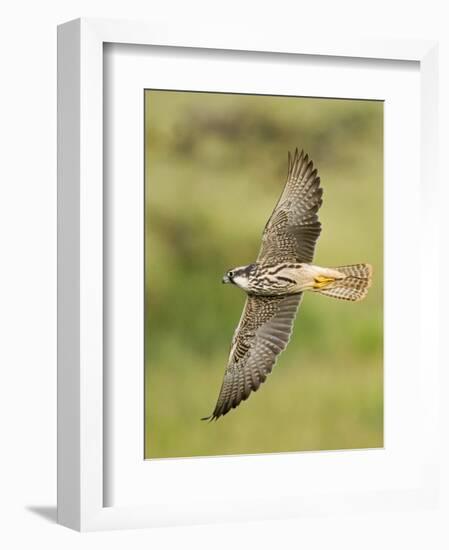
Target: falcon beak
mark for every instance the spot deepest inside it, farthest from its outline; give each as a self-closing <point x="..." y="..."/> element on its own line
<point x="226" y="280"/>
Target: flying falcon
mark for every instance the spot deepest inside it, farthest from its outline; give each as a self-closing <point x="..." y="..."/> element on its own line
<point x="275" y="284"/>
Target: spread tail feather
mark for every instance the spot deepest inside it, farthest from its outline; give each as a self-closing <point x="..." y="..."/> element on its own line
<point x="353" y="286"/>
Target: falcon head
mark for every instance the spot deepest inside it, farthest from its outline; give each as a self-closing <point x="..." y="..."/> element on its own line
<point x="239" y="275"/>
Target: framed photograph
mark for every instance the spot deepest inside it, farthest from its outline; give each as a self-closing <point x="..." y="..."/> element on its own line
<point x="334" y="362"/>
<point x="295" y="171"/>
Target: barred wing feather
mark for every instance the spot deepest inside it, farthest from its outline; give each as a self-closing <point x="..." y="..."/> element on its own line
<point x="293" y="228"/>
<point x="261" y="335"/>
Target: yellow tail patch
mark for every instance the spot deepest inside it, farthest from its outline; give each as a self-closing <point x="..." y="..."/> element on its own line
<point x="321" y="281"/>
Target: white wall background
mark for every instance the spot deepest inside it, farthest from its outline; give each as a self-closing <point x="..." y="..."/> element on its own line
<point x="28" y="271"/>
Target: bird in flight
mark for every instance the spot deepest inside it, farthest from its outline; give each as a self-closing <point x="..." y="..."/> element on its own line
<point x="275" y="284"/>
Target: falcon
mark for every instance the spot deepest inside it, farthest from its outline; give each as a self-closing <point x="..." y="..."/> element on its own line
<point x="276" y="282"/>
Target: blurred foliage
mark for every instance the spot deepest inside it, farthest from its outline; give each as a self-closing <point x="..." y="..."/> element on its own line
<point x="215" y="166"/>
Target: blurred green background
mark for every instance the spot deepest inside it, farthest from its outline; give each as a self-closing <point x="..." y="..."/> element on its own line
<point x="215" y="167"/>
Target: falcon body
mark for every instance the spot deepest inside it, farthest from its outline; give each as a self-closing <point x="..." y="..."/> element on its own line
<point x="280" y="279"/>
<point x="276" y="282"/>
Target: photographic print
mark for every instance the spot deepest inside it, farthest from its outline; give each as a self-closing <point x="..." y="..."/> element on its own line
<point x="281" y="199"/>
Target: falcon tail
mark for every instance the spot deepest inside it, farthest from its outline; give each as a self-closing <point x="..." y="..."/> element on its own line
<point x="352" y="287"/>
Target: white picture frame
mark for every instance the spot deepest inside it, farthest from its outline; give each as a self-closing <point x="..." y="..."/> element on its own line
<point x="81" y="408"/>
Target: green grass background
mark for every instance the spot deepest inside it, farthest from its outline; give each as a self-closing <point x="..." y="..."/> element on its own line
<point x="215" y="166"/>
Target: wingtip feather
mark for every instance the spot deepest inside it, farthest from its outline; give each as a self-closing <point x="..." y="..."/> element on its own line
<point x="299" y="163"/>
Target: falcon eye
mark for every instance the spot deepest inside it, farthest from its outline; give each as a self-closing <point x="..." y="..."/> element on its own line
<point x="230" y="274"/>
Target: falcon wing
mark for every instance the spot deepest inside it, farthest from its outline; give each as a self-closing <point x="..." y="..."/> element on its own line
<point x="293" y="228"/>
<point x="262" y="333"/>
